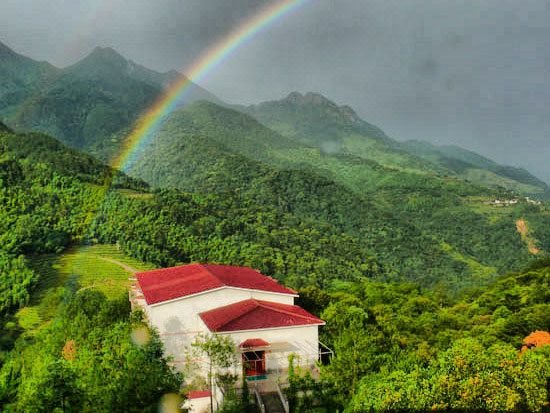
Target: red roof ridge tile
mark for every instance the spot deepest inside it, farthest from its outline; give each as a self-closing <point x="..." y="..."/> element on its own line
<point x="198" y="394"/>
<point x="242" y="315"/>
<point x="165" y="284"/>
<point x="266" y="304"/>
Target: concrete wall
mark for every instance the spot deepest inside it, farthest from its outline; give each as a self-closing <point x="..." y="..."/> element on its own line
<point x="178" y="321"/>
<point x="303" y="341"/>
<point x="201" y="405"/>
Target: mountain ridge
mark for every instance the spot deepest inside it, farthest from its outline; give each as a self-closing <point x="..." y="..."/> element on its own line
<point x="464" y="163"/>
<point x="86" y="102"/>
<point x="313" y="119"/>
<point x="211" y="149"/>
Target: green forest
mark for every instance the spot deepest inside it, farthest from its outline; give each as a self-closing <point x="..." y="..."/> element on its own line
<point x="408" y="333"/>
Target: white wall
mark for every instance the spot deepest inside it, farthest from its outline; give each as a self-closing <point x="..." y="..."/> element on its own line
<point x="201" y="405"/>
<point x="178" y="321"/>
<point x="304" y="340"/>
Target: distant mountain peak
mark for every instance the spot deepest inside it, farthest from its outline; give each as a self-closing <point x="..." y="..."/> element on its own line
<point x="314" y="99"/>
<point x="308" y="99"/>
<point x="106" y="55"/>
<point x="6" y="51"/>
<point x="105" y="63"/>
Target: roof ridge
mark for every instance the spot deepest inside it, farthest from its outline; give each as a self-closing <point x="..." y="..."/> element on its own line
<point x="205" y="268"/>
<point x="249" y="310"/>
<point x="261" y="304"/>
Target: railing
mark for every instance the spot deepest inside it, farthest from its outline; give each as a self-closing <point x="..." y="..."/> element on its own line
<point x="324" y="350"/>
<point x="259" y="399"/>
<point x="284" y="400"/>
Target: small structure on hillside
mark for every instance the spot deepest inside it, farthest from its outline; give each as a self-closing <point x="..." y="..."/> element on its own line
<point x="254" y="310"/>
<point x="502" y="202"/>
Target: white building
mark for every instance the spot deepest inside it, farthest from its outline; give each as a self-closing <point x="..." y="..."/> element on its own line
<point x="254" y="310"/>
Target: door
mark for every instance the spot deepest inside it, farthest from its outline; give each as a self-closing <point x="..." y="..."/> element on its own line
<point x="254" y="363"/>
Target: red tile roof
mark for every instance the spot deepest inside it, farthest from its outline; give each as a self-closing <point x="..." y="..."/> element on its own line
<point x="170" y="283"/>
<point x="198" y="394"/>
<point x="253" y="342"/>
<point x="256" y="314"/>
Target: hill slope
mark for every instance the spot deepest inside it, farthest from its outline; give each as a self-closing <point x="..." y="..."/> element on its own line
<point x="425" y="227"/>
<point x="476" y="168"/>
<point x="316" y="121"/>
<point x="82" y="104"/>
<point x="20" y="78"/>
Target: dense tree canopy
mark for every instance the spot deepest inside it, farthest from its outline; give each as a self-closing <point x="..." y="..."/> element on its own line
<point x="397" y="344"/>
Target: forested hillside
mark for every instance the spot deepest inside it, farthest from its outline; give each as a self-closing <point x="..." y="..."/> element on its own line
<point x="427" y="284"/>
<point x="400" y="349"/>
<point x="397" y="346"/>
<point x="83" y="104"/>
<point x="315" y="120"/>
<point x="424" y="227"/>
<point x="92" y="104"/>
<point x="49" y="195"/>
<point x="471" y="166"/>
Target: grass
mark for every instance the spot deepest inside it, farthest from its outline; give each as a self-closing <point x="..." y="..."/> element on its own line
<point x="130" y="193"/>
<point x="100" y="266"/>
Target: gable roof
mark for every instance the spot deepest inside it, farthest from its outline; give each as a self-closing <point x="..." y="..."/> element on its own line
<point x="176" y="282"/>
<point x="256" y="314"/>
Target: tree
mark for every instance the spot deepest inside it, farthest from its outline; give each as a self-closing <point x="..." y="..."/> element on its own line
<point x="220" y="351"/>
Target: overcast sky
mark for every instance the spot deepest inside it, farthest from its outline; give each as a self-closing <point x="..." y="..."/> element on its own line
<point x="475" y="73"/>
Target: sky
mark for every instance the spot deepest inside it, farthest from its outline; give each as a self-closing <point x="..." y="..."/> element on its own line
<point x="475" y="73"/>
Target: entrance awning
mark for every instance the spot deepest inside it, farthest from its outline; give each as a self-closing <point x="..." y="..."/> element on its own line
<point x="253" y="343"/>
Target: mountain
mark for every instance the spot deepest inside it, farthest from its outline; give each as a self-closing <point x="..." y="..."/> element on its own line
<point x="303" y="156"/>
<point x="426" y="227"/>
<point x="92" y="104"/>
<point x="85" y="103"/>
<point x="476" y="168"/>
<point x="20" y="78"/>
<point x="104" y="62"/>
<point x="315" y="120"/>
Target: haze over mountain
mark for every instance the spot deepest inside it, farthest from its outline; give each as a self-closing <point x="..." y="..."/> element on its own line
<point x="84" y="103"/>
<point x="428" y="263"/>
<point x="472" y="74"/>
<point x="93" y="103"/>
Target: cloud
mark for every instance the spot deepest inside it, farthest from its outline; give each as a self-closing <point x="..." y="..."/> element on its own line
<point x="470" y="73"/>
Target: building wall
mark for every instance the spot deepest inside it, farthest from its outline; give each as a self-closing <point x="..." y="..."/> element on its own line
<point x="178" y="322"/>
<point x="201" y="405"/>
<point x="302" y="341"/>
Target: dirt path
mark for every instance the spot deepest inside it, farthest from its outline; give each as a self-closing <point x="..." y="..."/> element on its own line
<point x="120" y="264"/>
<point x="523" y="230"/>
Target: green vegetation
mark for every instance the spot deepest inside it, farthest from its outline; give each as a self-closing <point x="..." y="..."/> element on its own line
<point x="398" y="348"/>
<point x="69" y="347"/>
<point x="478" y="169"/>
<point x="410" y="268"/>
<point x="421" y="226"/>
<point x="101" y="267"/>
<point x="86" y="361"/>
<point x="83" y="105"/>
<point x="48" y="195"/>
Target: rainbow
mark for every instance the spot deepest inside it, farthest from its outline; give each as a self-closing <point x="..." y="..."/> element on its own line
<point x="209" y="60"/>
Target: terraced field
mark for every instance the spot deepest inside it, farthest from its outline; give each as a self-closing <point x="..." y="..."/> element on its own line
<point x="100" y="266"/>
